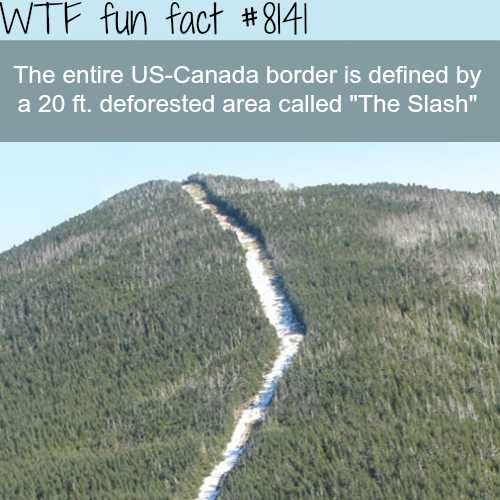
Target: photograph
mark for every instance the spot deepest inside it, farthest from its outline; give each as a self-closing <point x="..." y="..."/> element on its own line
<point x="249" y="250"/>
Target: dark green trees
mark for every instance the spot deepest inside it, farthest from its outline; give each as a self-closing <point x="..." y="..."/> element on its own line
<point x="128" y="338"/>
<point x="395" y="393"/>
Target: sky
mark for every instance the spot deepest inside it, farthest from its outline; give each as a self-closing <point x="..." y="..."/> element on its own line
<point x="42" y="185"/>
<point x="329" y="19"/>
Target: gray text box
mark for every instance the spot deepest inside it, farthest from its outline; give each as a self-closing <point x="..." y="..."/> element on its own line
<point x="480" y="123"/>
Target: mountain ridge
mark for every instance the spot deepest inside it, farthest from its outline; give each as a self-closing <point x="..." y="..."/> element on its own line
<point x="126" y="353"/>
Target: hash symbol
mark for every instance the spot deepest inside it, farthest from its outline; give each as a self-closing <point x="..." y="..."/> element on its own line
<point x="249" y="16"/>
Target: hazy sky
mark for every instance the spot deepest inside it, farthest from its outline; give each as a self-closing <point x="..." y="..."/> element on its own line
<point x="330" y="19"/>
<point x="44" y="184"/>
<point x="48" y="183"/>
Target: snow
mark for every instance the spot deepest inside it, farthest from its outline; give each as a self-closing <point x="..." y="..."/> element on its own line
<point x="279" y="312"/>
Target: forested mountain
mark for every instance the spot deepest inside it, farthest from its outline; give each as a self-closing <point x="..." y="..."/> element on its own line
<point x="395" y="393"/>
<point x="129" y="337"/>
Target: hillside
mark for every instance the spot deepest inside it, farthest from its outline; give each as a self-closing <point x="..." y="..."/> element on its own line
<point x="133" y="341"/>
<point x="129" y="336"/>
<point x="395" y="392"/>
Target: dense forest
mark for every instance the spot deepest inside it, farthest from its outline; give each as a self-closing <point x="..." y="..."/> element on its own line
<point x="395" y="393"/>
<point x="129" y="337"/>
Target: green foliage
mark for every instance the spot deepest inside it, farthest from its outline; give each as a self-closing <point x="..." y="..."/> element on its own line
<point x="129" y="336"/>
<point x="395" y="392"/>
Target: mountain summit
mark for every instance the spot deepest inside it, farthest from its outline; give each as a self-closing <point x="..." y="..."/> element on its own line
<point x="132" y="340"/>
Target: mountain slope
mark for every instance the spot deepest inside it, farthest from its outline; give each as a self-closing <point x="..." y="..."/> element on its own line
<point x="129" y="336"/>
<point x="395" y="393"/>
